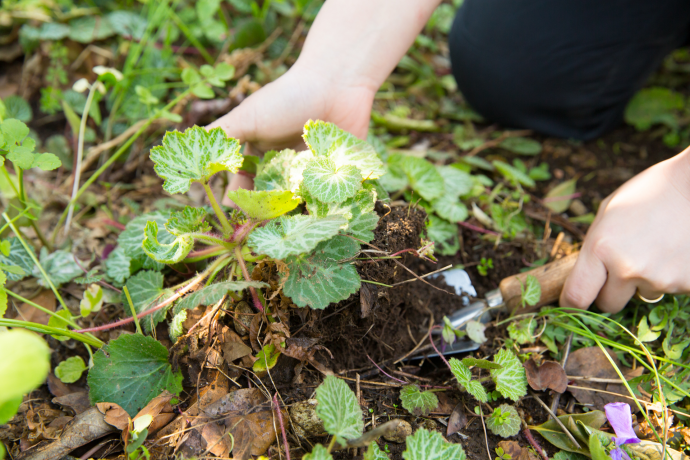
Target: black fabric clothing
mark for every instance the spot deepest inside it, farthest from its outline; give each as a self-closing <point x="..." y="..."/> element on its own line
<point x="565" y="68"/>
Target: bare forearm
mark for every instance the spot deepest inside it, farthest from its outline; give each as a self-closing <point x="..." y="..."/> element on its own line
<point x="361" y="41"/>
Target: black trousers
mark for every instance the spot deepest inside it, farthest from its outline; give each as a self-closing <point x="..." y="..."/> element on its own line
<point x="565" y="68"/>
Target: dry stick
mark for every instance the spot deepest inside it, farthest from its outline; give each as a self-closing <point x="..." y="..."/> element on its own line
<point x="423" y="276"/>
<point x="564" y="361"/>
<point x="384" y="372"/>
<point x="192" y="284"/>
<point x="565" y="430"/>
<point x="282" y="425"/>
<point x="481" y="417"/>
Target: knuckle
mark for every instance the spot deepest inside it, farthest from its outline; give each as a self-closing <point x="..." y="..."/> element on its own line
<point x="574" y="298"/>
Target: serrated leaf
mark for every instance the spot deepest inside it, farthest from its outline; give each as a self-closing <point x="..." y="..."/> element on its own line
<point x="195" y="155"/>
<point x="16" y="107"/>
<point x="521" y="145"/>
<point x="475" y="331"/>
<point x="320" y="278"/>
<point x="339" y="410"/>
<point x="394" y="179"/>
<point x="430" y="445"/>
<point x="26" y="367"/>
<point x="444" y="235"/>
<point x="450" y="208"/>
<point x="563" y="189"/>
<point x="14" y="131"/>
<point x="266" y="358"/>
<point x="319" y="453"/>
<point x="92" y="300"/>
<point x="19" y="258"/>
<point x="294" y="235"/>
<point x="504" y="421"/>
<point x="165" y="253"/>
<point x="22" y="157"/>
<point x="344" y="149"/>
<point x="374" y="453"/>
<point x="513" y="174"/>
<point x="423" y="176"/>
<point x="531" y="291"/>
<point x="130" y="371"/>
<point x="455" y="182"/>
<point x="145" y="288"/>
<point x="70" y="370"/>
<point x="265" y="204"/>
<point x="189" y="220"/>
<point x="60" y="267"/>
<point x="46" y="161"/>
<point x="464" y="377"/>
<point x="417" y="402"/>
<point x="212" y="294"/>
<point x="522" y="331"/>
<point x="358" y="210"/>
<point x="283" y="171"/>
<point x="176" y="326"/>
<point x="510" y="380"/>
<point x="117" y="265"/>
<point x="329" y="183"/>
<point x="132" y="238"/>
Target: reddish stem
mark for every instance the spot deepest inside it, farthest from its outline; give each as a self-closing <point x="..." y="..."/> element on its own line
<point x="112" y="223"/>
<point x="478" y="229"/>
<point x="534" y="443"/>
<point x="384" y="372"/>
<point x="282" y="425"/>
<point x="245" y="272"/>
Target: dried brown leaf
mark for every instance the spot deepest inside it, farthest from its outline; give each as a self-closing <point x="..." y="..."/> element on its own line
<point x="550" y="375"/>
<point x="457" y="420"/>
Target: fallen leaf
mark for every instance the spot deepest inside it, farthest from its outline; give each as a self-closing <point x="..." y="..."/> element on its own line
<point x="160" y="410"/>
<point x="46" y="299"/>
<point x="114" y="415"/>
<point x="216" y="441"/>
<point x="233" y="346"/>
<point x="549" y="375"/>
<point x="367" y="297"/>
<point x="58" y="388"/>
<point x="242" y="401"/>
<point x="515" y="451"/>
<point x="77" y="401"/>
<point x="457" y="420"/>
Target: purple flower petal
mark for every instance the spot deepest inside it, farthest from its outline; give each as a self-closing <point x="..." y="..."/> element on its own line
<point x="618" y="415"/>
<point x="616" y="454"/>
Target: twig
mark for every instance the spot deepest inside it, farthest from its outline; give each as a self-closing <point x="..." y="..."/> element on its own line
<point x="565" y="430"/>
<point x="423" y="276"/>
<point x="385" y="373"/>
<point x="564" y="361"/>
<point x="282" y="425"/>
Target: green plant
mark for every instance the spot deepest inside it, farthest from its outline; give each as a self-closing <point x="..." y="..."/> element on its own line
<point x="501" y="454"/>
<point x="506" y="371"/>
<point x="504" y="421"/>
<point x="530" y="291"/>
<point x="417" y="402"/>
<point x="485" y="265"/>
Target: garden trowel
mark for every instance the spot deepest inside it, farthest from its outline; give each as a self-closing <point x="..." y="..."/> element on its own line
<point x="507" y="298"/>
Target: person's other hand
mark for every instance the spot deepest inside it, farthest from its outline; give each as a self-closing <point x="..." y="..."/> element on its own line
<point x="274" y="116"/>
<point x="638" y="241"/>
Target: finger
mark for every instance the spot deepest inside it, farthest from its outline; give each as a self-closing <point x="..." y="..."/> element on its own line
<point x="615" y="294"/>
<point x="239" y="123"/>
<point x="237" y="181"/>
<point x="584" y="282"/>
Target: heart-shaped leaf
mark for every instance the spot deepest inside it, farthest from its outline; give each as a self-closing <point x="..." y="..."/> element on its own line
<point x="130" y="371"/>
<point x="17" y="258"/>
<point x="195" y="155"/>
<point x="338" y="408"/>
<point x="504" y="421"/>
<point x="70" y="370"/>
<point x="319" y="279"/>
<point x="422" y="175"/>
<point x="118" y="266"/>
<point x="455" y="182"/>
<point x="59" y="265"/>
<point x="418" y="402"/>
<point x="265" y="204"/>
<point x="145" y="288"/>
<point x="510" y="379"/>
<point x="286" y="236"/>
<point x="329" y="183"/>
<point x="430" y="445"/>
<point x="344" y="149"/>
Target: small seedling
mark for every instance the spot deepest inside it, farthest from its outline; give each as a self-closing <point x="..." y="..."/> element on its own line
<point x="504" y="421"/>
<point x="501" y="454"/>
<point x="485" y="265"/>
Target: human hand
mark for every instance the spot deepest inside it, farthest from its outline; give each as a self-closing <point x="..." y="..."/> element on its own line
<point x="638" y="241"/>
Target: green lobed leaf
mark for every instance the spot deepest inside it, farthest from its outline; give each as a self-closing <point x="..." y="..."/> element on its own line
<point x="444" y="235"/>
<point x="417" y="402"/>
<point x="60" y="267"/>
<point x="145" y="288"/>
<point x="26" y="367"/>
<point x="118" y="266"/>
<point x="423" y="176"/>
<point x="92" y="300"/>
<point x="70" y="370"/>
<point x="394" y="178"/>
<point x="130" y="371"/>
<point x="450" y="208"/>
<point x="455" y="182"/>
<point x="522" y="331"/>
<point x="320" y="278"/>
<point x="293" y="235"/>
<point x="132" y="238"/>
<point x="19" y="258"/>
<point x="358" y="210"/>
<point x="374" y="453"/>
<point x="329" y="183"/>
<point x="464" y="377"/>
<point x="430" y="445"/>
<point x="504" y="421"/>
<point x="212" y="294"/>
<point x="326" y="139"/>
<point x="264" y="204"/>
<point x="16" y="107"/>
<point x="176" y="326"/>
<point x="339" y="410"/>
<point x="189" y="220"/>
<point x="319" y="452"/>
<point x="282" y="171"/>
<point x="513" y="174"/>
<point x="46" y="161"/>
<point x="531" y="291"/>
<point x="14" y="131"/>
<point x="165" y="253"/>
<point x="510" y="380"/>
<point x="195" y="155"/>
<point x="653" y="105"/>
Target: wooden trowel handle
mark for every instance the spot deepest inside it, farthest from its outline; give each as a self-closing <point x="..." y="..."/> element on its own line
<point x="551" y="278"/>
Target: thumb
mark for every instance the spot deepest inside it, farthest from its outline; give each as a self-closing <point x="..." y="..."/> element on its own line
<point x="584" y="282"/>
<point x="239" y="123"/>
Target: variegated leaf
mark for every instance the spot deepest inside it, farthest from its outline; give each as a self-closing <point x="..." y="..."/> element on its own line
<point x="504" y="421"/>
<point x="189" y="220"/>
<point x="326" y="139"/>
<point x="265" y="204"/>
<point x="430" y="445"/>
<point x="319" y="452"/>
<point x="329" y="183"/>
<point x="132" y="237"/>
<point x="418" y="402"/>
<point x="195" y="155"/>
<point x="165" y="253"/>
<point x="320" y="278"/>
<point x="510" y="379"/>
<point x="374" y="453"/>
<point x="464" y="378"/>
<point x="19" y="258"/>
<point x="287" y="236"/>
<point x="338" y="408"/>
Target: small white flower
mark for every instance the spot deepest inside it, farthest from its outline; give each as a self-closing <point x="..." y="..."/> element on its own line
<point x="100" y="87"/>
<point x="100" y="70"/>
<point x="81" y="85"/>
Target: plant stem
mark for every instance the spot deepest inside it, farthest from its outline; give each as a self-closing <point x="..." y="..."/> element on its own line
<point x="132" y="309"/>
<point x="80" y="151"/>
<point x="245" y="272"/>
<point x="227" y="228"/>
<point x="331" y="445"/>
<point x="114" y="158"/>
<point x="22" y="198"/>
<point x="203" y="254"/>
<point x="39" y="307"/>
<point x="282" y="425"/>
<point x="43" y="329"/>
